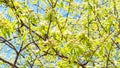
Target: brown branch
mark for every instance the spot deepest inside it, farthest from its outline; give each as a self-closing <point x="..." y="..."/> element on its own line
<point x="37" y="58"/>
<point x="68" y="13"/>
<point x="46" y="35"/>
<point x="28" y="45"/>
<point x="113" y="63"/>
<point x="108" y="55"/>
<point x="55" y="3"/>
<point x="5" y="61"/>
<point x="18" y="53"/>
<point x="49" y="3"/>
<point x="65" y="57"/>
<point x="7" y="43"/>
<point x="34" y="42"/>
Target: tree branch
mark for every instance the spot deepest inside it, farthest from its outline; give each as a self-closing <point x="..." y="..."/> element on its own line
<point x="5" y="61"/>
